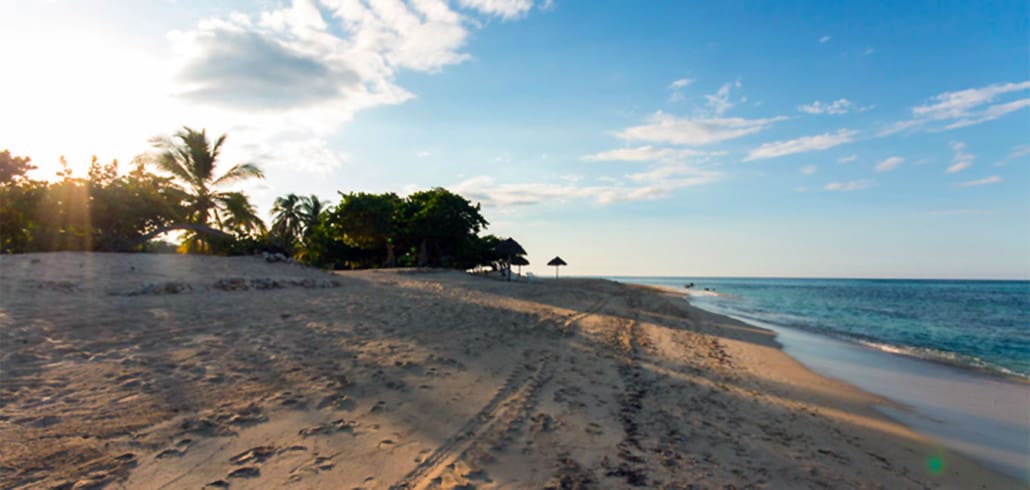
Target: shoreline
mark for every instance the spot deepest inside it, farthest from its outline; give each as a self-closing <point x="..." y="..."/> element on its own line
<point x="921" y="409"/>
<point x="934" y="356"/>
<point x="136" y="371"/>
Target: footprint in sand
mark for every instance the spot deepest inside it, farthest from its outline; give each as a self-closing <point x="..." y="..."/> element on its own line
<point x="245" y="472"/>
<point x="254" y="455"/>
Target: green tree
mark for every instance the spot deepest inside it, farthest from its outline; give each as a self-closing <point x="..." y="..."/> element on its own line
<point x="13" y="169"/>
<point x="365" y="225"/>
<point x="294" y="219"/>
<point x="19" y="200"/>
<point x="192" y="160"/>
<point x="124" y="209"/>
<point x="287" y="220"/>
<point x="445" y="225"/>
<point x="311" y="209"/>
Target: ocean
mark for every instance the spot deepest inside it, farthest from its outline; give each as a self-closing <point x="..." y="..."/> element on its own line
<point x="954" y="354"/>
<point x="983" y="325"/>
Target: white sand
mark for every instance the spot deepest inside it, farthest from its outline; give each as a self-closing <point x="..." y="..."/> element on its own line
<point x="147" y="371"/>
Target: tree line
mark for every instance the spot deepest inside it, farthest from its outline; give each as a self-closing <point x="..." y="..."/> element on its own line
<point x="181" y="187"/>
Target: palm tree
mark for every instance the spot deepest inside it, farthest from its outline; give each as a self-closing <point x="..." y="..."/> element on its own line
<point x="311" y="208"/>
<point x="239" y="215"/>
<point x="191" y="159"/>
<point x="288" y="219"/>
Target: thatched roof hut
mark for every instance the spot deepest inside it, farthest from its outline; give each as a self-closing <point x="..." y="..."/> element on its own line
<point x="509" y="249"/>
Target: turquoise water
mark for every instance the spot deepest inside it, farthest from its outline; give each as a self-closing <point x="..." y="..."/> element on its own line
<point x="978" y="324"/>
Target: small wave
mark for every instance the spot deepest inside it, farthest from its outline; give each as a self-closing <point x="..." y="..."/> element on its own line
<point x="949" y="358"/>
<point x="785" y="320"/>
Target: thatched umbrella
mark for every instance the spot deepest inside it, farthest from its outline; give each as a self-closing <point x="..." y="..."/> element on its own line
<point x="519" y="261"/>
<point x="557" y="261"/>
<point x="508" y="249"/>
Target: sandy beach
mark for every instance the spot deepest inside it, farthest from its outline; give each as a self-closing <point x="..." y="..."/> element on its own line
<point x="170" y="371"/>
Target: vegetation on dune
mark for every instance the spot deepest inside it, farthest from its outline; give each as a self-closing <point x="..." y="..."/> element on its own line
<point x="180" y="188"/>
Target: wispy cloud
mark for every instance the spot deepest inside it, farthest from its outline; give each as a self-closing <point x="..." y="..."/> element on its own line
<point x="868" y="51"/>
<point x="654" y="184"/>
<point x="802" y="145"/>
<point x="889" y="164"/>
<point x="837" y="107"/>
<point x="649" y="153"/>
<point x="847" y="159"/>
<point x="1016" y="153"/>
<point x="852" y="185"/>
<point x="683" y="82"/>
<point x="991" y="113"/>
<point x="720" y="102"/>
<point x="951" y="110"/>
<point x="505" y="9"/>
<point x="677" y="87"/>
<point x="1019" y="152"/>
<point x="424" y="154"/>
<point x="808" y="169"/>
<point x="665" y="128"/>
<point x="962" y="160"/>
<point x="824" y="39"/>
<point x="994" y="179"/>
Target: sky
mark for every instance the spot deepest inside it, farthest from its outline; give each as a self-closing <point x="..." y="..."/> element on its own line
<point x="785" y="139"/>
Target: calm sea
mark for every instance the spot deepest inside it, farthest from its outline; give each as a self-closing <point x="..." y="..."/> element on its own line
<point x="980" y="324"/>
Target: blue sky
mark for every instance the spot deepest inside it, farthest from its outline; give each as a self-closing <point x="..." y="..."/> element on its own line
<point x="822" y="139"/>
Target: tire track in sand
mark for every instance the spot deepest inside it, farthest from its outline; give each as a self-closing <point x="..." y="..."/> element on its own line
<point x="625" y="340"/>
<point x="486" y="426"/>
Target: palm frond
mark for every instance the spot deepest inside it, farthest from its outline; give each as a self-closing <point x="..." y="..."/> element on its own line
<point x="239" y="213"/>
<point x="240" y="171"/>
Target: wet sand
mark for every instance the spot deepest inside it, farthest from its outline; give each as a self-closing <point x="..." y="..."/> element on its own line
<point x="149" y="371"/>
<point x="981" y="415"/>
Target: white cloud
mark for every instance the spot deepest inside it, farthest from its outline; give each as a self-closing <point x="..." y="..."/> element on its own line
<point x="853" y="185"/>
<point x="839" y="106"/>
<point x="308" y="68"/>
<point x="802" y="145"/>
<point x="994" y="179"/>
<point x="677" y="86"/>
<point x="962" y="160"/>
<point x="889" y="164"/>
<point x="962" y="108"/>
<point x="1019" y="152"/>
<point x="847" y="159"/>
<point x="657" y="183"/>
<point x="719" y="102"/>
<point x="808" y="169"/>
<point x="951" y="105"/>
<point x="681" y="83"/>
<point x="991" y="113"/>
<point x="311" y="155"/>
<point x="868" y="51"/>
<point x="675" y="176"/>
<point x="664" y="128"/>
<point x="824" y="39"/>
<point x="505" y="9"/>
<point x="649" y="153"/>
<point x="424" y="154"/>
<point x="958" y="167"/>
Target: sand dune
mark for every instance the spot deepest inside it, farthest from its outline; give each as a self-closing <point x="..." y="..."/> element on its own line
<point x="161" y="371"/>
